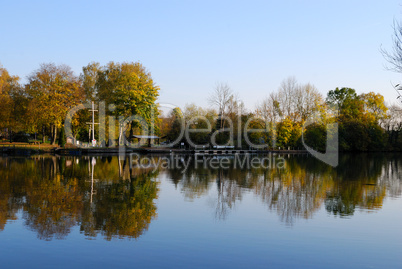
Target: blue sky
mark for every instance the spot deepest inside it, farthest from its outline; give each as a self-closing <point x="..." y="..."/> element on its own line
<point x="188" y="46"/>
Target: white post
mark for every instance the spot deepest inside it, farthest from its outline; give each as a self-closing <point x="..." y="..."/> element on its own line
<point x="93" y="121"/>
<point x="92" y="124"/>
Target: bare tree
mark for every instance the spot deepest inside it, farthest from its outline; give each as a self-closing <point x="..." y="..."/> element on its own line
<point x="235" y="107"/>
<point x="394" y="57"/>
<point x="307" y="99"/>
<point x="392" y="123"/>
<point x="286" y="96"/>
<point x="220" y="99"/>
<point x="292" y="100"/>
<point x="269" y="109"/>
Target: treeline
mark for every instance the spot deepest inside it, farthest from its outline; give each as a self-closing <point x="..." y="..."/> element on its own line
<point x="283" y="119"/>
<point x="41" y="104"/>
<point x="286" y="117"/>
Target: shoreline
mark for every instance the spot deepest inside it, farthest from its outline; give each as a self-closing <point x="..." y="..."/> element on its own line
<point x="18" y="150"/>
<point x="27" y="151"/>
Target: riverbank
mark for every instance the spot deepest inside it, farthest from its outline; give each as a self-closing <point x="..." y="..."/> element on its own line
<point x="26" y="149"/>
<point x="18" y="148"/>
<point x="161" y="150"/>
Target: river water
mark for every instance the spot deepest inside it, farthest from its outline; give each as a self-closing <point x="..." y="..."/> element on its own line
<point x="274" y="211"/>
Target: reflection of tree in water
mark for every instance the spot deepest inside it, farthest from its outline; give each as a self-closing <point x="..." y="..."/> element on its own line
<point x="52" y="207"/>
<point x="228" y="193"/>
<point x="337" y="206"/>
<point x="196" y="182"/>
<point x="55" y="195"/>
<point x="9" y="203"/>
<point x="193" y="182"/>
<point x="300" y="189"/>
<point x="292" y="192"/>
<point x="358" y="184"/>
<point x="123" y="209"/>
<point x="305" y="184"/>
<point x="392" y="176"/>
<point x="295" y="191"/>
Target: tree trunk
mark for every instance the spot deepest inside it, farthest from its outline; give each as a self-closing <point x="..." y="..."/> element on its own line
<point x="54" y="134"/>
<point x="131" y="130"/>
<point x="43" y="135"/>
<point x="51" y="135"/>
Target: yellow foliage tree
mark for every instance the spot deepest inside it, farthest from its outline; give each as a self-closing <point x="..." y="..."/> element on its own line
<point x="52" y="90"/>
<point x="9" y="85"/>
<point x="129" y="86"/>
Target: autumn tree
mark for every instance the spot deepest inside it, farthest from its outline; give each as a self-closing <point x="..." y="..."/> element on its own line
<point x="6" y="83"/>
<point x="374" y="106"/>
<point x="89" y="78"/>
<point x="285" y="130"/>
<point x="286" y="110"/>
<point x="11" y="106"/>
<point x="359" y="118"/>
<point x="52" y="90"/>
<point x="131" y="89"/>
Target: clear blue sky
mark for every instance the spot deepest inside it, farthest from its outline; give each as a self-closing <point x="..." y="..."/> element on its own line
<point x="188" y="46"/>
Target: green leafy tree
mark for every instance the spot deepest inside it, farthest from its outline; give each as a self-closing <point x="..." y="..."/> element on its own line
<point x="130" y="87"/>
<point x="342" y="98"/>
<point x="315" y="136"/>
<point x="176" y="119"/>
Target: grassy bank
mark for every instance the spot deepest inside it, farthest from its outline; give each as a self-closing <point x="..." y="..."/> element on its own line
<point x="27" y="146"/>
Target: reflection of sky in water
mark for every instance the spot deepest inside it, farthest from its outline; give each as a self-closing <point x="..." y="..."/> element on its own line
<point x="252" y="236"/>
<point x="189" y="231"/>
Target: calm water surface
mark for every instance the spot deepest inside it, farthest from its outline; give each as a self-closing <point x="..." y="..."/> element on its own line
<point x="76" y="212"/>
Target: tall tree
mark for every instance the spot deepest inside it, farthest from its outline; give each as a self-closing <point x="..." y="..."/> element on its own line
<point x="53" y="90"/>
<point x="220" y="99"/>
<point x="307" y="100"/>
<point x="293" y="103"/>
<point x="287" y="96"/>
<point x="269" y="109"/>
<point x="130" y="87"/>
<point x="11" y="102"/>
<point x="89" y="77"/>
